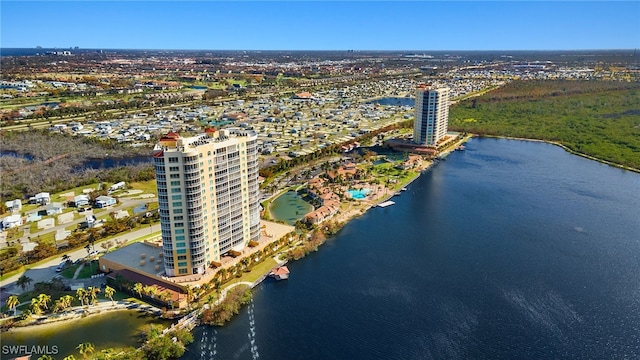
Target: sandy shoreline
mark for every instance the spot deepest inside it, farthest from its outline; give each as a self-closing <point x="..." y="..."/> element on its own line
<point x="83" y="312"/>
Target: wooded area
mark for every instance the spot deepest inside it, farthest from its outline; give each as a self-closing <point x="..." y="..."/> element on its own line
<point x="44" y="161"/>
<point x="597" y="118"/>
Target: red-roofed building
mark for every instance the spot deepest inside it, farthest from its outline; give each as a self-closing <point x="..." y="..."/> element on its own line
<point x="280" y="273"/>
<point x="303" y="96"/>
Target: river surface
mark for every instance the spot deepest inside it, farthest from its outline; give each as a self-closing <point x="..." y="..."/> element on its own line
<point x="508" y="250"/>
<point x="106" y="163"/>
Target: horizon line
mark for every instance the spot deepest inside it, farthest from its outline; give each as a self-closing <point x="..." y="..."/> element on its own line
<point x="352" y="50"/>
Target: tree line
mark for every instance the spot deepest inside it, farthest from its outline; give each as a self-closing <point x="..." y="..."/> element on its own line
<point x="37" y="160"/>
<point x="597" y="118"/>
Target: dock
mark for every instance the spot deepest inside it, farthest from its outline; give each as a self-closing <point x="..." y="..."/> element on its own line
<point x="386" y="203"/>
<point x="280" y="273"/>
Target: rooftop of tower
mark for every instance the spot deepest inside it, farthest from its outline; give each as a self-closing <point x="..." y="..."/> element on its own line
<point x="173" y="141"/>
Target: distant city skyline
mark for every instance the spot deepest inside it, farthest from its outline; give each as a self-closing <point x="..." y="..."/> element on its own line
<point x="331" y="25"/>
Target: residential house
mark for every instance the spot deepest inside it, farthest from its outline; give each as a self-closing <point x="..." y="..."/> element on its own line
<point x="34" y="217"/>
<point x="117" y="186"/>
<point x="410" y="163"/>
<point x="347" y="171"/>
<point x="105" y="201"/>
<point x="42" y="198"/>
<point x="11" y="221"/>
<point x="14" y="206"/>
<point x="330" y="202"/>
<point x="81" y="200"/>
<point x="54" y="208"/>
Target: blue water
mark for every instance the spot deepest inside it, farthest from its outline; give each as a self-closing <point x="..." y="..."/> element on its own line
<point x="508" y="250"/>
<point x="395" y="101"/>
<point x="112" y="163"/>
<point x="359" y="193"/>
<point x="16" y="154"/>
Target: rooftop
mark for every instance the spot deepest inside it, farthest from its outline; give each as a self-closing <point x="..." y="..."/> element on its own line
<point x="139" y="256"/>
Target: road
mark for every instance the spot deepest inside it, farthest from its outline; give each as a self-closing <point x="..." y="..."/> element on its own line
<point x="123" y="204"/>
<point x="45" y="270"/>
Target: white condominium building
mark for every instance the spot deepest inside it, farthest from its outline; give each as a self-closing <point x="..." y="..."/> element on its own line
<point x="208" y="195"/>
<point x="432" y="115"/>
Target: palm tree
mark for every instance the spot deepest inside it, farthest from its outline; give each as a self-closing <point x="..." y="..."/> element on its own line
<point x="45" y="357"/>
<point x="107" y="353"/>
<point x="70" y="357"/>
<point x="189" y="292"/>
<point x="24" y="281"/>
<point x="82" y="295"/>
<point x="93" y="294"/>
<point x="12" y="303"/>
<point x="223" y="274"/>
<point x="205" y="288"/>
<point x="150" y="291"/>
<point x="59" y="306"/>
<point x="165" y="296"/>
<point x="138" y="287"/>
<point x="216" y="285"/>
<point x="108" y="292"/>
<point x="43" y="299"/>
<point x="35" y="306"/>
<point x="67" y="300"/>
<point x="85" y="349"/>
<point x="245" y="263"/>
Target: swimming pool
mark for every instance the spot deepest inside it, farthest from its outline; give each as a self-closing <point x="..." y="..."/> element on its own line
<point x="359" y="193"/>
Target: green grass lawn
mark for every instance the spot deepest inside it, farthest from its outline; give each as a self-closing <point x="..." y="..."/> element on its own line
<point x="85" y="273"/>
<point x="255" y="273"/>
<point x="76" y="191"/>
<point x="148" y="187"/>
<point x="15" y="233"/>
<point x="70" y="271"/>
<point x="89" y="269"/>
<point x="48" y="237"/>
<point x="104" y="216"/>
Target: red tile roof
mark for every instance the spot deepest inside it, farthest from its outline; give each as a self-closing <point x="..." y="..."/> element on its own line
<point x="283" y="270"/>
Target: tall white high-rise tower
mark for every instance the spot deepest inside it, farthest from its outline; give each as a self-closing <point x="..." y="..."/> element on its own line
<point x="208" y="196"/>
<point x="432" y="115"/>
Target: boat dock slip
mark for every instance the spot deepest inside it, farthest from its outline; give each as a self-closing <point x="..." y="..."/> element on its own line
<point x="280" y="273"/>
<point x="386" y="203"/>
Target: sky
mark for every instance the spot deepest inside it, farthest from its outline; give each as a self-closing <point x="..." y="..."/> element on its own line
<point x="321" y="25"/>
